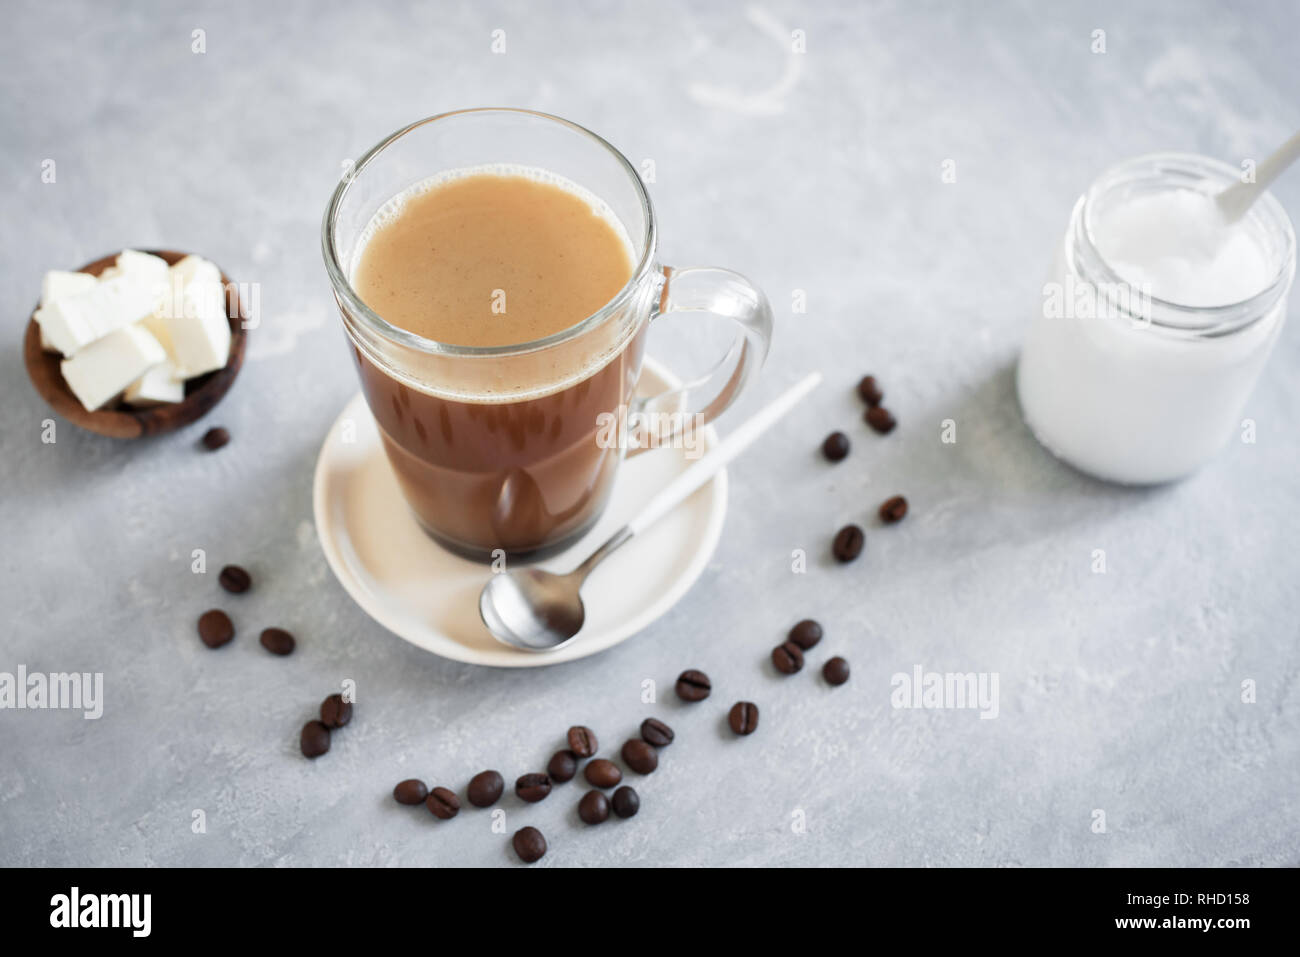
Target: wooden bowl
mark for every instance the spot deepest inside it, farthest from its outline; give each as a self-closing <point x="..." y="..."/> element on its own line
<point x="123" y="421"/>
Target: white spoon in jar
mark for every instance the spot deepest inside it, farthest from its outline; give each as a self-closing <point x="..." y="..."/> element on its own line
<point x="1237" y="198"/>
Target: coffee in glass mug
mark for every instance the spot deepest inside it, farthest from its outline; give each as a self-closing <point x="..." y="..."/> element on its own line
<point x="496" y="271"/>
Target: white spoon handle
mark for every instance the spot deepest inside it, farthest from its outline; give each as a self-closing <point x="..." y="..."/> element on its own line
<point x="676" y="491"/>
<point x="1236" y="199"/>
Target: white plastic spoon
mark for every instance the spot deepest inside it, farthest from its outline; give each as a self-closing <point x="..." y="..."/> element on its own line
<point x="1237" y="198"/>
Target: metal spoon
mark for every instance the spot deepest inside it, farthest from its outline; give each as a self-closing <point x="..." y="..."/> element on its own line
<point x="536" y="610"/>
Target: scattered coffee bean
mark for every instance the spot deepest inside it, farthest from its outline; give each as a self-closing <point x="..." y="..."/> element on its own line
<point x="880" y="419"/>
<point x="836" y="671"/>
<point x="562" y="767"/>
<point x="870" y="390"/>
<point x="443" y="803"/>
<point x="836" y="446"/>
<point x="533" y="787"/>
<point x="410" y="791"/>
<point x="594" y="807"/>
<point x="335" y="712"/>
<point x="626" y="803"/>
<point x="848" y="543"/>
<point x="602" y="773"/>
<point x="639" y="756"/>
<point x="893" y="510"/>
<point x="529" y="844"/>
<point x="215" y="628"/>
<point x="214" y="439"/>
<point x="582" y="741"/>
<point x="805" y="634"/>
<point x="788" y="658"/>
<point x="743" y="717"/>
<point x="234" y="579"/>
<point x="315" y="739"/>
<point x="656" y="732"/>
<point x="277" y="641"/>
<point x="485" y="788"/>
<point x="693" y="685"/>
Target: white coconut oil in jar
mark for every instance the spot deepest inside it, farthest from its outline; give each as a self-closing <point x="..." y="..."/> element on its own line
<point x="1156" y="320"/>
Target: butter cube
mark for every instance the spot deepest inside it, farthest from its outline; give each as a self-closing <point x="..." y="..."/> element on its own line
<point x="58" y="283"/>
<point x="108" y="365"/>
<point x="196" y="269"/>
<point x="145" y="265"/>
<point x="45" y="339"/>
<point x="71" y="322"/>
<point x="156" y="326"/>
<point x="125" y="299"/>
<point x="145" y="269"/>
<point x="196" y="324"/>
<point x="159" y="384"/>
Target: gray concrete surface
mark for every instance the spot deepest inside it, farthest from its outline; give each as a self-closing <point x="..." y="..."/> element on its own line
<point x="1119" y="692"/>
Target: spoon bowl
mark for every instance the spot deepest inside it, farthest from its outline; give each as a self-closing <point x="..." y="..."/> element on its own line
<point x="532" y="609"/>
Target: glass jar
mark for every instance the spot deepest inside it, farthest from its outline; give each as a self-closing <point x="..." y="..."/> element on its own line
<point x="1130" y="387"/>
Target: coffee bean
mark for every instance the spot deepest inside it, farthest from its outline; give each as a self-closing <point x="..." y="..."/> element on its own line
<point x="626" y="803"/>
<point x="594" y="807"/>
<point x="562" y="767"/>
<point x="639" y="756"/>
<point x="693" y="685"/>
<point x="215" y="628"/>
<point x="443" y="803"/>
<point x="870" y="391"/>
<point x="410" y="791"/>
<point x="234" y="579"/>
<point x="533" y="787"/>
<point x="788" y="658"/>
<point x="880" y="419"/>
<point x="214" y="439"/>
<point x="485" y="788"/>
<point x="529" y="844"/>
<point x="582" y="741"/>
<point x="277" y="641"/>
<point x="335" y="712"/>
<point x="848" y="543"/>
<point x="893" y="510"/>
<point x="656" y="732"/>
<point x="836" y="446"/>
<point x="836" y="671"/>
<point x="743" y="717"/>
<point x="602" y="773"/>
<point x="805" y="634"/>
<point x="315" y="739"/>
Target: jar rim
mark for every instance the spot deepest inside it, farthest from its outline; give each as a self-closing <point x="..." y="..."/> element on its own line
<point x="1204" y="174"/>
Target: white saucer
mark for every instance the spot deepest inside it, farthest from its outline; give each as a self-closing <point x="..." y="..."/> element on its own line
<point x="413" y="587"/>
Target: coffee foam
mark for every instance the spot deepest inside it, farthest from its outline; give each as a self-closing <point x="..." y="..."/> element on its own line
<point x="590" y="364"/>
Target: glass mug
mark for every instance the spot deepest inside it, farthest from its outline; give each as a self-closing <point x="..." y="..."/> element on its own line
<point x="506" y="448"/>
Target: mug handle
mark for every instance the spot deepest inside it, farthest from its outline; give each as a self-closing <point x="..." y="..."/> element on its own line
<point x="709" y="291"/>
